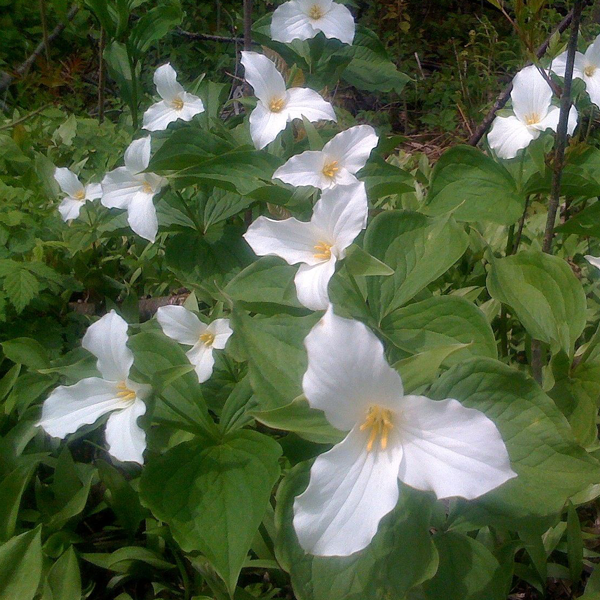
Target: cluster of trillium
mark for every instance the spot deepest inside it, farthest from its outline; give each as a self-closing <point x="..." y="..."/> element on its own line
<point x="437" y="446"/>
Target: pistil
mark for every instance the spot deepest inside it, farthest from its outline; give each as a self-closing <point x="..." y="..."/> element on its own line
<point x="379" y="422"/>
<point x="323" y="251"/>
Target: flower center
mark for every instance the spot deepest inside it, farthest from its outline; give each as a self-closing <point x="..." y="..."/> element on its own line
<point x="316" y="12"/>
<point x="80" y="195"/>
<point x="147" y="188"/>
<point x="330" y="169"/>
<point x="589" y="70"/>
<point x="323" y="251"/>
<point x="207" y="338"/>
<point x="177" y="103"/>
<point x="532" y="119"/>
<point x="379" y="423"/>
<point x="125" y="393"/>
<point x="276" y="105"/>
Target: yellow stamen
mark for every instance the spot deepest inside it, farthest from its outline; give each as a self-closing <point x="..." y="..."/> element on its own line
<point x="379" y="422"/>
<point x="80" y="195"/>
<point x="316" y="12"/>
<point x="208" y="338"/>
<point x="177" y="103"/>
<point x="276" y="105"/>
<point x="147" y="188"/>
<point x="124" y="392"/>
<point x="589" y="70"/>
<point x="532" y="119"/>
<point x="330" y="169"/>
<point x="323" y="251"/>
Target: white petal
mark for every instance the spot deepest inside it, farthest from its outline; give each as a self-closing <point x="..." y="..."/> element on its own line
<point x="342" y="212"/>
<point x="307" y="5"/>
<point x="531" y="94"/>
<point x="141" y="216"/>
<point x="69" y="407"/>
<point x="126" y="440"/>
<point x="351" y="148"/>
<point x="290" y="239"/>
<point x="180" y="324"/>
<point x="347" y="371"/>
<point x="93" y="191"/>
<point x="592" y="85"/>
<point x="349" y="492"/>
<point x="312" y="282"/>
<point x="592" y="54"/>
<point x="304" y="169"/>
<point x="159" y="115"/>
<point x="593" y="260"/>
<point x="551" y="120"/>
<point x="450" y="449"/>
<point x="265" y="125"/>
<point x="106" y="339"/>
<point x="559" y="65"/>
<point x="119" y="187"/>
<point x="165" y="80"/>
<point x="201" y="356"/>
<point x="69" y="208"/>
<point x="338" y="23"/>
<point x="262" y="74"/>
<point x="290" y="23"/>
<point x="68" y="182"/>
<point x="509" y="135"/>
<point x="222" y="331"/>
<point x="303" y="102"/>
<point x="137" y="156"/>
<point x="192" y="106"/>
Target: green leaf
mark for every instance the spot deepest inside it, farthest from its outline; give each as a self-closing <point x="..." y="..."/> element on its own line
<point x="551" y="467"/>
<point x="119" y="68"/>
<point x="584" y="223"/>
<point x="474" y="187"/>
<point x="401" y="555"/>
<point x="221" y="205"/>
<point x="64" y="577"/>
<point x="384" y="179"/>
<point x="21" y="566"/>
<point x="12" y="488"/>
<point x="544" y="294"/>
<point x="154" y="25"/>
<point x="124" y="559"/>
<point x="21" y="288"/>
<point x="28" y="352"/>
<point x="359" y="262"/>
<point x="574" y="543"/>
<point x="418" y="248"/>
<point x="214" y="497"/>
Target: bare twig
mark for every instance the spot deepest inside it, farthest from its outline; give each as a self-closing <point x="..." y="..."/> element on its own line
<point x="208" y="38"/>
<point x="248" y="24"/>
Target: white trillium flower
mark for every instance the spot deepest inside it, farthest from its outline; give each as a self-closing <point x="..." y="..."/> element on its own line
<point x="176" y="103"/>
<point x="70" y="407"/>
<point x="77" y="194"/>
<point x="338" y="217"/>
<point x="534" y="113"/>
<point x="130" y="188"/>
<point x="303" y="19"/>
<point x="338" y="162"/>
<point x="586" y="68"/>
<point x="430" y="445"/>
<point x="277" y="106"/>
<point x="186" y="328"/>
<point x="593" y="260"/>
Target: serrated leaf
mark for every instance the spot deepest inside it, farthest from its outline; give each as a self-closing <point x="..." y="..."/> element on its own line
<point x="21" y="287"/>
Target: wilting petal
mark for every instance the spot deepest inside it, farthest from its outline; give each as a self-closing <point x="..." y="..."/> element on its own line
<point x="347" y="371"/>
<point x="93" y="191"/>
<point x="141" y="216"/>
<point x="337" y="23"/>
<point x="159" y="115"/>
<point x="593" y="260"/>
<point x="349" y="492"/>
<point x="351" y="148"/>
<point x="69" y="209"/>
<point x="303" y="102"/>
<point x="265" y="125"/>
<point x="68" y="182"/>
<point x="222" y="331"/>
<point x="262" y="74"/>
<point x="290" y="239"/>
<point x="70" y="407"/>
<point x="559" y="65"/>
<point x="312" y="282"/>
<point x="531" y="95"/>
<point x="119" y="187"/>
<point x="201" y="356"/>
<point x="290" y="23"/>
<point x="165" y="80"/>
<point x="342" y="212"/>
<point x="126" y="440"/>
<point x="137" y="156"/>
<point x="180" y="324"/>
<point x="509" y="135"/>
<point x="551" y="120"/>
<point x="450" y="449"/>
<point x="106" y="339"/>
<point x="304" y="169"/>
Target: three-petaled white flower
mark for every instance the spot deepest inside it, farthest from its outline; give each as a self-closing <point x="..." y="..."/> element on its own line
<point x="534" y="113"/>
<point x="176" y="103"/>
<point x="130" y="188"/>
<point x="277" y="106"/>
<point x="438" y="446"/>
<point x="338" y="162"/>
<point x="586" y="68"/>
<point x="337" y="219"/>
<point x="77" y="194"/>
<point x="69" y="407"/>
<point x="303" y="19"/>
<point x="186" y="328"/>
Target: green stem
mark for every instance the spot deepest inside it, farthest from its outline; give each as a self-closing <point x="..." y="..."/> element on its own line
<point x="184" y="574"/>
<point x="134" y="90"/>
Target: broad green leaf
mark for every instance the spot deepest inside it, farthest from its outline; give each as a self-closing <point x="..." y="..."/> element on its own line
<point x="119" y="68"/>
<point x="214" y="497"/>
<point x="401" y="555"/>
<point x="28" y="352"/>
<point x="64" y="577"/>
<point x="221" y="205"/>
<point x="440" y="322"/>
<point x="544" y="294"/>
<point x="21" y="566"/>
<point x="359" y="262"/>
<point x="8" y="381"/>
<point x="237" y="407"/>
<point x="584" y="223"/>
<point x="574" y="543"/>
<point x="154" y="25"/>
<point x="418" y="248"/>
<point x="123" y="559"/>
<point x="12" y="488"/>
<point x="551" y="467"/>
<point x="107" y="18"/>
<point x="384" y="179"/>
<point x="474" y="187"/>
